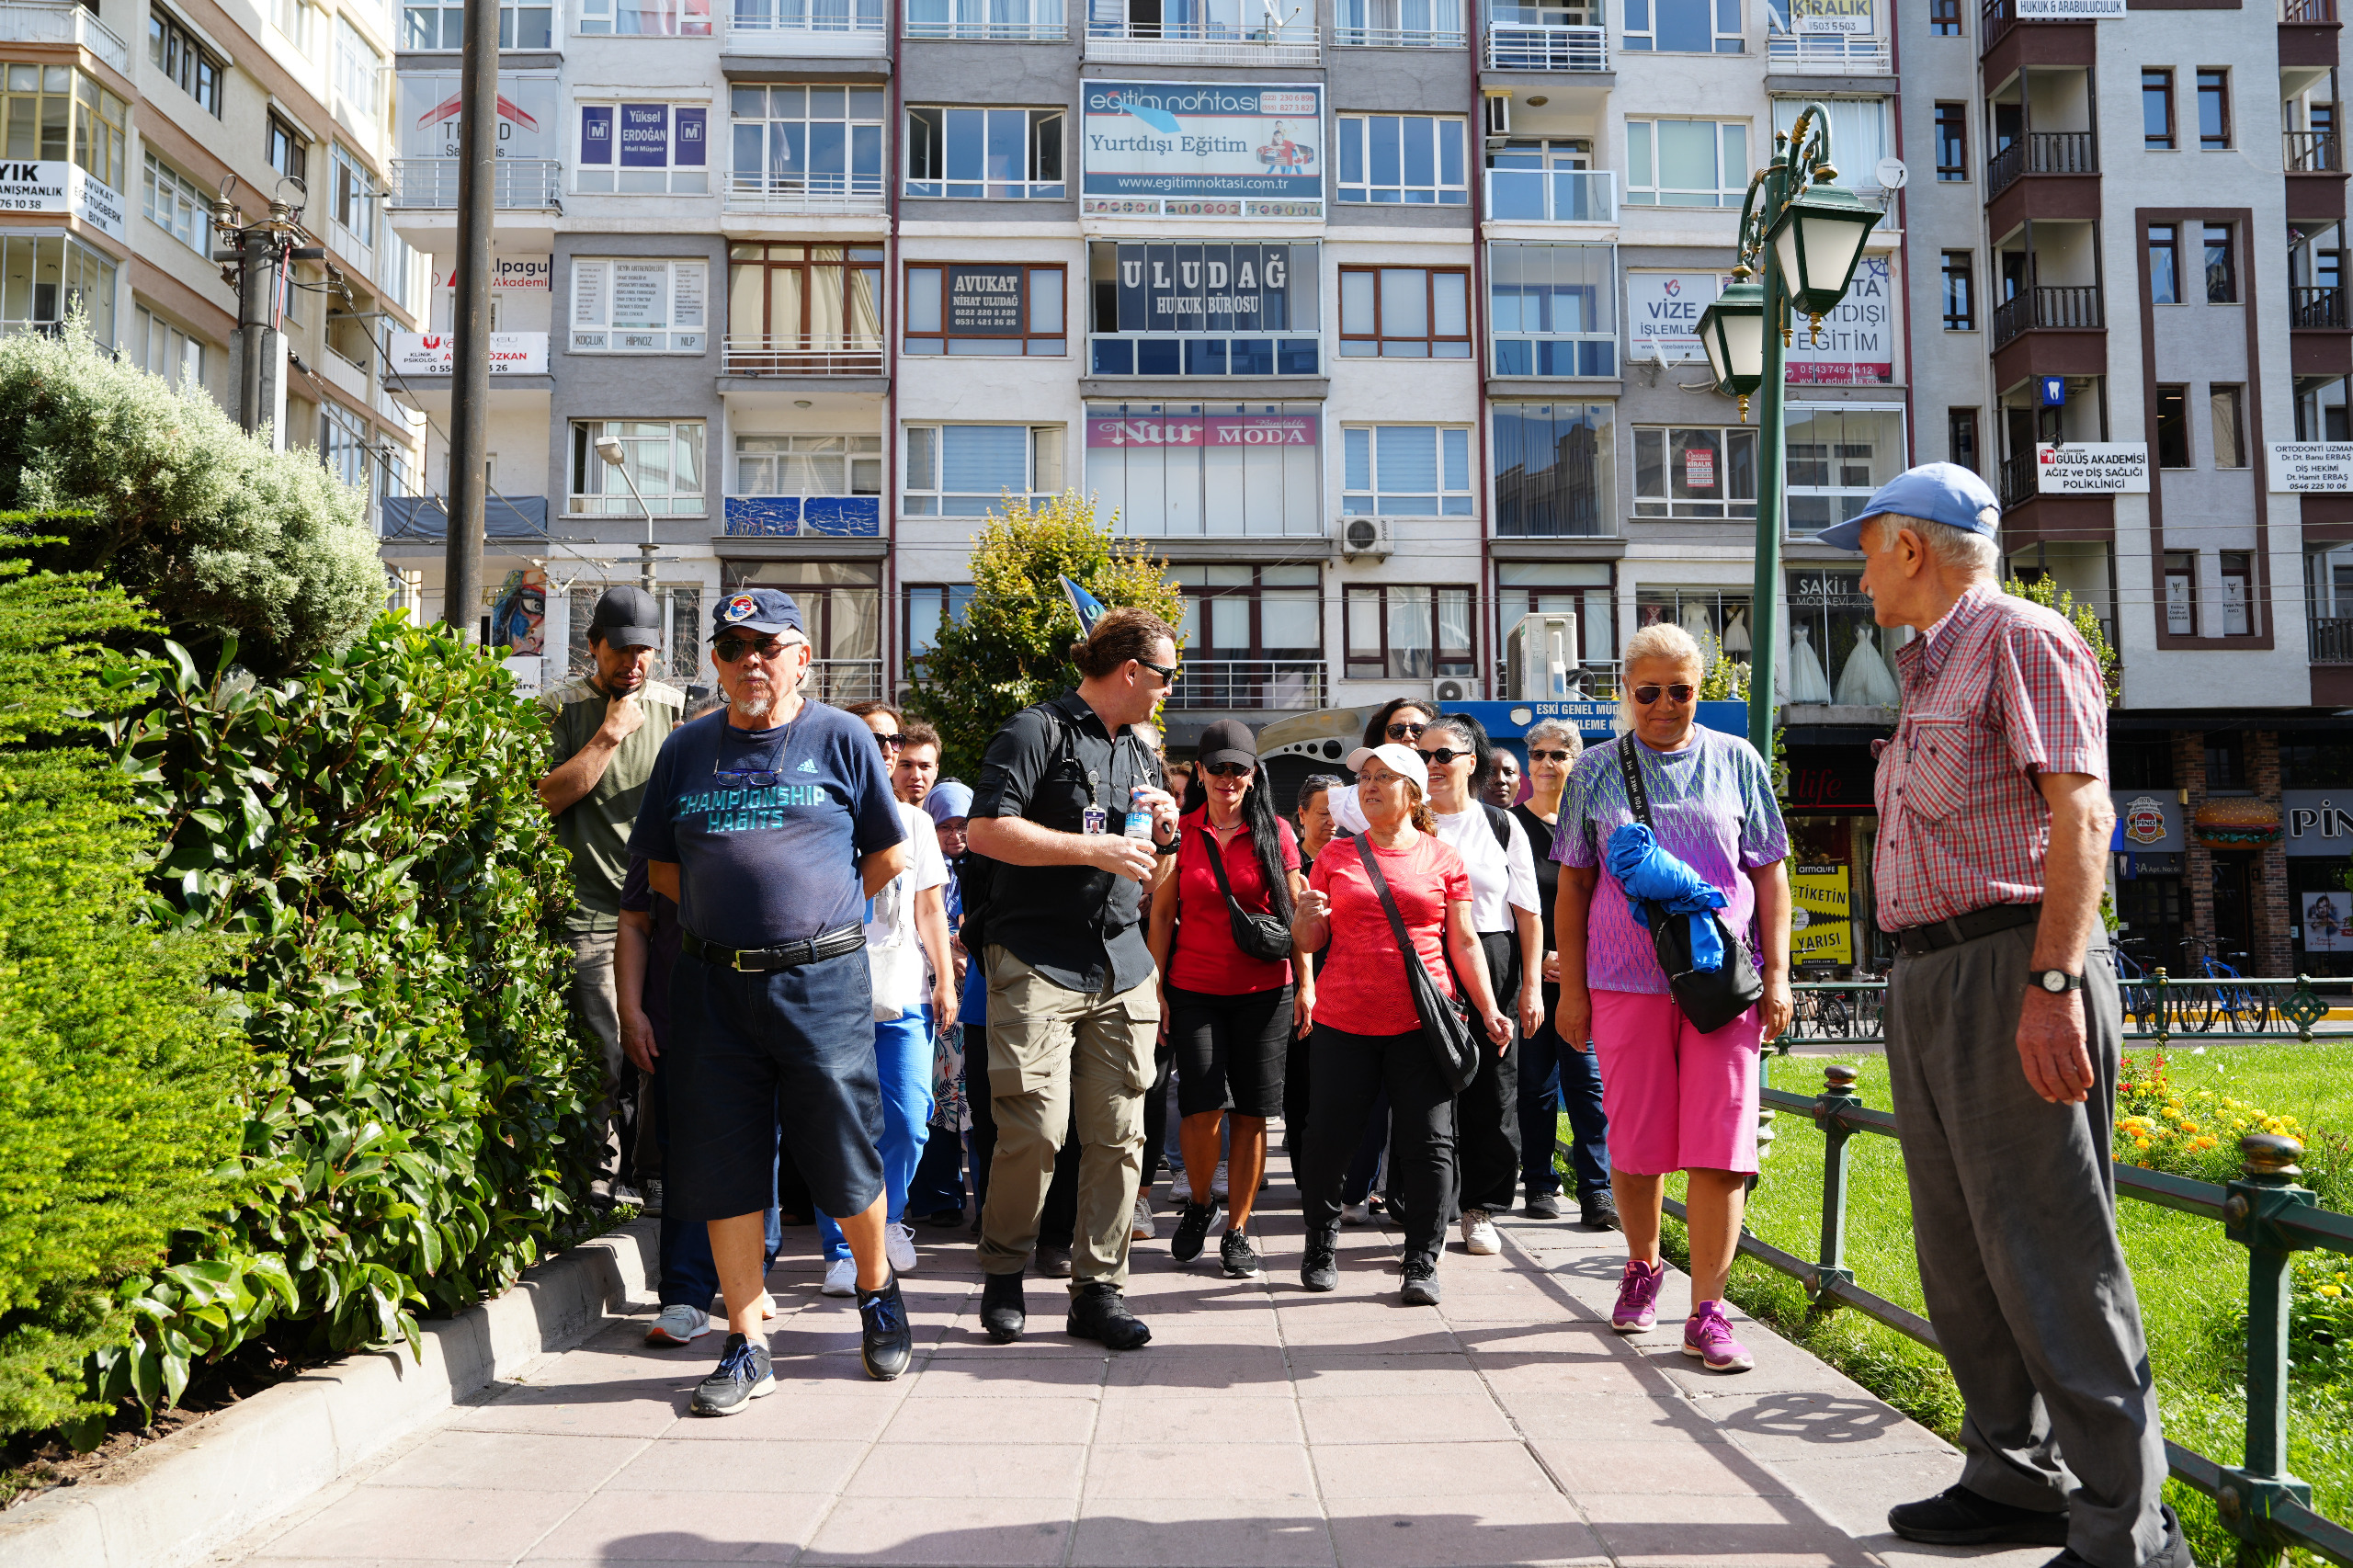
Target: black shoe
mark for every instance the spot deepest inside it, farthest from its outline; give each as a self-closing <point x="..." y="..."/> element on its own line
<point x="1053" y="1262"/>
<point x="1239" y="1258"/>
<point x="1544" y="1206"/>
<point x="944" y="1217"/>
<point x="1003" y="1311"/>
<point x="1320" y="1269"/>
<point x="2173" y="1553"/>
<point x="1192" y="1230"/>
<point x="743" y="1376"/>
<point x="1597" y="1212"/>
<point x="1100" y="1313"/>
<point x="1421" y="1284"/>
<point x="1958" y="1517"/>
<point x="885" y="1340"/>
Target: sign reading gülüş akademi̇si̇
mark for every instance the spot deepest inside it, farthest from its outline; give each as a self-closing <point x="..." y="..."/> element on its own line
<point x="1203" y="149"/>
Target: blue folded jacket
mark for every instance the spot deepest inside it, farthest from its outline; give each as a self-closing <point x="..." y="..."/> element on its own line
<point x="1651" y="875"/>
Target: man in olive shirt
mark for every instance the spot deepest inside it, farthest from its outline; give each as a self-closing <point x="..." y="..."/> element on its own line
<point x="607" y="729"/>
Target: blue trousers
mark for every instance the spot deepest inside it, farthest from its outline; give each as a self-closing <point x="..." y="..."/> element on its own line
<point x="689" y="1277"/>
<point x="1554" y="1078"/>
<point x="902" y="1061"/>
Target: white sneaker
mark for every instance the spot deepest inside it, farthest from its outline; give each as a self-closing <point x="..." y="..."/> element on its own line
<point x="899" y="1246"/>
<point x="1217" y="1182"/>
<point x="1143" y="1227"/>
<point x="841" y="1277"/>
<point x="677" y="1325"/>
<point x="1479" y="1238"/>
<point x="1355" y="1215"/>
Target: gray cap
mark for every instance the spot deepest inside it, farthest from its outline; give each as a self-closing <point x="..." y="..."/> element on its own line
<point x="627" y="618"/>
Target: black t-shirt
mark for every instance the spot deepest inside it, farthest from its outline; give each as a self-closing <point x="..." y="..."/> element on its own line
<point x="1548" y="871"/>
<point x="1080" y="927"/>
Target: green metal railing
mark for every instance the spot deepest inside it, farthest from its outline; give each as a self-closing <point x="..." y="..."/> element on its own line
<point x="2157" y="1009"/>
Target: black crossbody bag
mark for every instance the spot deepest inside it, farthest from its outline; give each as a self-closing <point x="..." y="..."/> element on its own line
<point x="1263" y="937"/>
<point x="1446" y="1020"/>
<point x="1710" y="998"/>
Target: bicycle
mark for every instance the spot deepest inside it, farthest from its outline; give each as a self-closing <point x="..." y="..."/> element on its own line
<point x="2245" y="1008"/>
<point x="2143" y="1003"/>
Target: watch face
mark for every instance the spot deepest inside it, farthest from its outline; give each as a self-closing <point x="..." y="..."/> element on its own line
<point x="2053" y="980"/>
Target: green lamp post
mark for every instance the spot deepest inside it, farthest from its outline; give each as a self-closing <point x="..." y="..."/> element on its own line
<point x="1806" y="236"/>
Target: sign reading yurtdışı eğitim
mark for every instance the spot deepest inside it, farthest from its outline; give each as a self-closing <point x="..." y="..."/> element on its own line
<point x="1201" y="149"/>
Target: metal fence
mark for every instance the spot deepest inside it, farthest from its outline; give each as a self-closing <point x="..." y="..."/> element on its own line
<point x="2157" y="1009"/>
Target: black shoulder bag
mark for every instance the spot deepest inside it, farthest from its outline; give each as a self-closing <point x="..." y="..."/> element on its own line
<point x="1710" y="998"/>
<point x="1264" y="937"/>
<point x="1446" y="1020"/>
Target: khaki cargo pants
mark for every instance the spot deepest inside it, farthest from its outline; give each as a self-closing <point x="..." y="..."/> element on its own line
<point x="1054" y="1050"/>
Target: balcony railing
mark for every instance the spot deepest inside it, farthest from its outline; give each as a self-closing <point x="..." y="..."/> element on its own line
<point x="420" y="184"/>
<point x="1512" y="47"/>
<point x="1552" y="195"/>
<point x="2043" y="153"/>
<point x="821" y="29"/>
<point x="2332" y="639"/>
<point x="2319" y="308"/>
<point x="1205" y="43"/>
<point x="2311" y="152"/>
<point x="31" y="22"/>
<point x="1247" y="684"/>
<point x="837" y="355"/>
<point x="1399" y="38"/>
<point x="2308" y="10"/>
<point x="969" y="21"/>
<point x="804" y="193"/>
<point x="2019" y="483"/>
<point x="1827" y="55"/>
<point x="2068" y="308"/>
<point x="836" y="681"/>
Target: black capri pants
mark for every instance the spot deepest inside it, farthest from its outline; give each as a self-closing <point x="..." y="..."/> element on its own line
<point x="1230" y="1050"/>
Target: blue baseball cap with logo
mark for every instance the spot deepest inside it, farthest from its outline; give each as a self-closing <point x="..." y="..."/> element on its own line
<point x="767" y="610"/>
<point x="1937" y="492"/>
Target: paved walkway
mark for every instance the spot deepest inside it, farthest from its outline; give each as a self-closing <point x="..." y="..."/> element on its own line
<point x="1262" y="1426"/>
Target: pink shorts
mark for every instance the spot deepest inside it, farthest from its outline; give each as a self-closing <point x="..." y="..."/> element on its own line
<point x="1676" y="1099"/>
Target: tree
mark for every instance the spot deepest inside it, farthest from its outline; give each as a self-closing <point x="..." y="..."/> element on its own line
<point x="207" y="526"/>
<point x="1011" y="646"/>
<point x="2045" y="591"/>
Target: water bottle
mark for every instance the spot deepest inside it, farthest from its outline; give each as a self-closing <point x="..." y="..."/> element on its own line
<point x="1139" y="823"/>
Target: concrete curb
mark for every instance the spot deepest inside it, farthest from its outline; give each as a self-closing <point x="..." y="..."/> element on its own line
<point x="224" y="1476"/>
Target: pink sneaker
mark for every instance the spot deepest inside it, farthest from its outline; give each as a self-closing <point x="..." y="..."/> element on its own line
<point x="1637" y="1306"/>
<point x="1707" y="1335"/>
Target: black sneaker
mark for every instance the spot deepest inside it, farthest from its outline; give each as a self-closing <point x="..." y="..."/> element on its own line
<point x="1099" y="1312"/>
<point x="1544" y="1206"/>
<point x="1003" y="1313"/>
<point x="1192" y="1230"/>
<point x="1320" y="1269"/>
<point x="2173" y="1554"/>
<point x="1958" y="1517"/>
<point x="743" y="1376"/>
<point x="1239" y="1258"/>
<point x="1421" y="1284"/>
<point x="886" y="1341"/>
<point x="1597" y="1212"/>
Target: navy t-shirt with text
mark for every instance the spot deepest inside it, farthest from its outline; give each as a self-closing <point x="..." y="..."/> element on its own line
<point x="766" y="825"/>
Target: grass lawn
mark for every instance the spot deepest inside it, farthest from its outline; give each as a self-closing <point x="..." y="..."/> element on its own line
<point x="2191" y="1280"/>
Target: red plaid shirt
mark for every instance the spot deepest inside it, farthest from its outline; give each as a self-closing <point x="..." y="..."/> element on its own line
<point x="1997" y="691"/>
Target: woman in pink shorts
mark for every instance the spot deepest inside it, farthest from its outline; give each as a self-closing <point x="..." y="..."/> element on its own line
<point x="1676" y="1099"/>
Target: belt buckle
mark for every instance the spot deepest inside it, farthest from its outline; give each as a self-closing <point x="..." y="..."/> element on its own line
<point x="736" y="962"/>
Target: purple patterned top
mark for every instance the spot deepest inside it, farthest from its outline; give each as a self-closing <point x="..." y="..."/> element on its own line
<point x="1713" y="808"/>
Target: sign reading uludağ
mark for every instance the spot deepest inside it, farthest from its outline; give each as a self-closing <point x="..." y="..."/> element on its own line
<point x="1201" y="149"/>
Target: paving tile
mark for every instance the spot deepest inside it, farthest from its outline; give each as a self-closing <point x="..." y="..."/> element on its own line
<point x="1266" y="1472"/>
<point x="951" y="1532"/>
<point x="1389" y="1470"/>
<point x="574" y="1411"/>
<point x="839" y="1407"/>
<point x="1662" y="1417"/>
<point x="1435" y="1418"/>
<point x="509" y="1461"/>
<point x="1169" y="1532"/>
<point x="1855" y="1491"/>
<point x="1011" y="1378"/>
<point x="1792" y="1426"/>
<point x="426" y="1524"/>
<point x="1408" y="1331"/>
<point x="1164" y="1416"/>
<point x="652" y="1527"/>
<point x="936" y="1470"/>
<point x="1337" y="1374"/>
<point x="1263" y="1368"/>
<point x="1068" y="1416"/>
<point x="1462" y="1530"/>
<point x="1688" y="1470"/>
<point x="745" y="1464"/>
<point x="1655" y="1529"/>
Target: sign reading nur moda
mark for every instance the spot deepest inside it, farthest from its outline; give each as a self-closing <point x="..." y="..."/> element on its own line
<point x="1203" y="149"/>
<point x="55" y="185"/>
<point x="1205" y="430"/>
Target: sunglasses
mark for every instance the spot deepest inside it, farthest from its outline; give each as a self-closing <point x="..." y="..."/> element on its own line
<point x="728" y="650"/>
<point x="1680" y="692"/>
<point x="1536" y="755"/>
<point x="1226" y="769"/>
<point x="1167" y="673"/>
<point x="1407" y="731"/>
<point x="888" y="743"/>
<point x="1444" y="755"/>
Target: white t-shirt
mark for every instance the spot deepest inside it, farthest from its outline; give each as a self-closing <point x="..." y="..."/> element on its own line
<point x="1500" y="878"/>
<point x="894" y="954"/>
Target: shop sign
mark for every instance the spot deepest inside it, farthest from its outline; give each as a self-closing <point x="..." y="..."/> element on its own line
<point x="1856" y="346"/>
<point x="435" y="353"/>
<point x="2318" y="822"/>
<point x="1205" y="430"/>
<point x="513" y="272"/>
<point x="1833" y="786"/>
<point x="2091" y="468"/>
<point x="2328" y="922"/>
<point x="1663" y="309"/>
<point x="2306" y="467"/>
<point x="2146" y="822"/>
<point x="1821" y="926"/>
<point x="987" y="301"/>
<point x="2066" y="10"/>
<point x="1204" y="287"/>
<point x="1203" y="149"/>
<point x="1852" y="17"/>
<point x="527" y="115"/>
<point x="59" y="184"/>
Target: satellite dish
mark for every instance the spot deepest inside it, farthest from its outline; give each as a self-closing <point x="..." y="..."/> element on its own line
<point x="1891" y="174"/>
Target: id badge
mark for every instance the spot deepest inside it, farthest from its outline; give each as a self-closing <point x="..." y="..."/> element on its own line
<point x="1094" y="818"/>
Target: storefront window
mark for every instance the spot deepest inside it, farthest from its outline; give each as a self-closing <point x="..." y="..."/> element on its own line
<point x="1208" y="468"/>
<point x="986" y="309"/>
<point x="1839" y="454"/>
<point x="1203" y="310"/>
<point x="1835" y="652"/>
<point x="1581" y="588"/>
<point x="1716" y="620"/>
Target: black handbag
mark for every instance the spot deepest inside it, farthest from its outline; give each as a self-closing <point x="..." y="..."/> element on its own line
<point x="1262" y="936"/>
<point x="1710" y="998"/>
<point x="1446" y="1020"/>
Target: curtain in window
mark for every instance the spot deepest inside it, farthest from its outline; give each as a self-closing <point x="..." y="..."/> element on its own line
<point x="1859" y="133"/>
<point x="981" y="460"/>
<point x="1409" y="632"/>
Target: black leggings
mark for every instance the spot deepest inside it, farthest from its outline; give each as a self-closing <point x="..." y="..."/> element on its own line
<point x="1351" y="1070"/>
<point x="1488" y="1113"/>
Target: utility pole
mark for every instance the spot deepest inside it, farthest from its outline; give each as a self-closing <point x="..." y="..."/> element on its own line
<point x="470" y="383"/>
<point x="262" y="253"/>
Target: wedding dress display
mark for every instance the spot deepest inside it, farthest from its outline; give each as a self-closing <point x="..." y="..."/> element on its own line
<point x="1695" y="621"/>
<point x="1807" y="681"/>
<point x="1736" y="638"/>
<point x="1867" y="682"/>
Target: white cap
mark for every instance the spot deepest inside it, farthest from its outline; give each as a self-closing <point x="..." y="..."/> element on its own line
<point x="1400" y="759"/>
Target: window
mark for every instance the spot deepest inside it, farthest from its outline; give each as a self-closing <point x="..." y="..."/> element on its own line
<point x="1684" y="26"/>
<point x="343" y="446"/>
<point x="927" y="607"/>
<point x="1190" y="469"/>
<point x="663" y="456"/>
<point x="1713" y="617"/>
<point x="173" y="202"/>
<point x="2222" y="269"/>
<point x="2165" y="264"/>
<point x="1550" y="588"/>
<point x="441" y="24"/>
<point x="638" y="307"/>
<point x="297" y="21"/>
<point x="1695" y="472"/>
<point x="1203" y="310"/>
<point x="647" y="18"/>
<point x="348" y="338"/>
<point x="358" y="74"/>
<point x="1404" y="158"/>
<point x="1835" y="652"/>
<point x="1406" y="471"/>
<point x="1837" y="455"/>
<point x="2213" y="111"/>
<point x="2238" y="594"/>
<point x="974" y="308"/>
<point x="1399" y="24"/>
<point x="1002" y="20"/>
<point x="998" y="154"/>
<point x="354" y="200"/>
<point x="2172" y="426"/>
<point x="45" y="278"/>
<point x="1553" y="309"/>
<point x="808" y="465"/>
<point x="2227" y="406"/>
<point x="1960" y="292"/>
<point x="796" y="144"/>
<point x="2156" y="110"/>
<point x="1407" y="632"/>
<point x="811" y="299"/>
<point x="1952" y="142"/>
<point x="1405" y="313"/>
<point x="1552" y="477"/>
<point x="285" y="149"/>
<point x="965" y="471"/>
<point x="1687" y="162"/>
<point x="841" y="611"/>
<point x="56" y="112"/>
<point x="644" y="148"/>
<point x="1861" y="130"/>
<point x="174" y="50"/>
<point x="1960" y="437"/>
<point x="396" y="270"/>
<point x="1944" y="18"/>
<point x="158" y="347"/>
<point x="1251" y="612"/>
<point x="1550" y="180"/>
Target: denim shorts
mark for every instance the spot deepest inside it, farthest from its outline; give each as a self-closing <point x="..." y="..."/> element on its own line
<point x="794" y="1047"/>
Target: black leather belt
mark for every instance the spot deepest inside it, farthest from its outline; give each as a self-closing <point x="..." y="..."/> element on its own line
<point x="1916" y="941"/>
<point x="791" y="955"/>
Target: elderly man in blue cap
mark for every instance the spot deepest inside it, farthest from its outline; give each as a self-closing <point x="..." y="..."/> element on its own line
<point x="2003" y="1027"/>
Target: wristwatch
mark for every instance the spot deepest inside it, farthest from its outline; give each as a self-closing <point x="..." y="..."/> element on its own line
<point x="2058" y="981"/>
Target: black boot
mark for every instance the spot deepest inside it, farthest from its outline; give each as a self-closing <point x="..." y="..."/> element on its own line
<point x="1099" y="1311"/>
<point x="1958" y="1517"/>
<point x="1320" y="1269"/>
<point x="1003" y="1313"/>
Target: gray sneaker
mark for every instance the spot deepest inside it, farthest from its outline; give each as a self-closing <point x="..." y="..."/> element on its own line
<point x="742" y="1375"/>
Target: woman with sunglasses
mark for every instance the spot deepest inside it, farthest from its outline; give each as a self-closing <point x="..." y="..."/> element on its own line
<point x="1230" y="1013"/>
<point x="1677" y="1099"/>
<point x="1400" y="722"/>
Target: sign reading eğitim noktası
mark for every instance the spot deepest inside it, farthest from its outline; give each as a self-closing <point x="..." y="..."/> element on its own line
<point x="1228" y="142"/>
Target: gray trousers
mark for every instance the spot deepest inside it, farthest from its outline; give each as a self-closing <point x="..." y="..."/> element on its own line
<point x="2014" y="1218"/>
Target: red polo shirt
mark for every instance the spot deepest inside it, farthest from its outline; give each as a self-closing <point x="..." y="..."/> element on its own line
<point x="1205" y="958"/>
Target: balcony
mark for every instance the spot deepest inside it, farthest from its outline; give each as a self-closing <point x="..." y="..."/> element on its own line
<point x="1552" y="195"/>
<point x="2021" y="483"/>
<point x="1247" y="685"/>
<point x="836" y="681"/>
<point x="2311" y="152"/>
<point x="523" y="183"/>
<point x="1514" y="46"/>
<point x="2070" y="308"/>
<point x="2332" y="640"/>
<point x="859" y="194"/>
<point x="857" y="355"/>
<point x="2308" y="11"/>
<point x="1204" y="43"/>
<point x="1827" y="55"/>
<point x="1399" y="38"/>
<point x="2316" y="310"/>
<point x="971" y="21"/>
<point x="31" y="22"/>
<point x="810" y="29"/>
<point x="803" y="516"/>
<point x="2043" y="153"/>
<point x="1590" y="682"/>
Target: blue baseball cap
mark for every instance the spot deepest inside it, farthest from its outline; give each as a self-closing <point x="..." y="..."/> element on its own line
<point x="1937" y="493"/>
<point x="756" y="609"/>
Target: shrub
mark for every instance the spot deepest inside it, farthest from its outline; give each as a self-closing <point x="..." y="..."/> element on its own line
<point x="2196" y="1133"/>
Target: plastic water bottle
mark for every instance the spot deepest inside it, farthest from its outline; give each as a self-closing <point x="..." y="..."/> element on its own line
<point x="1139" y="823"/>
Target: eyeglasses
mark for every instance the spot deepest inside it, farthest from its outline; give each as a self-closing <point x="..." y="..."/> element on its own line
<point x="1443" y="756"/>
<point x="889" y="742"/>
<point x="750" y="778"/>
<point x="1536" y="755"/>
<point x="728" y="650"/>
<point x="1402" y="732"/>
<point x="1227" y="769"/>
<point x="1646" y="695"/>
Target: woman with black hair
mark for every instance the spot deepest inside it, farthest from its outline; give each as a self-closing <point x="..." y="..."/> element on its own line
<point x="1230" y="1012"/>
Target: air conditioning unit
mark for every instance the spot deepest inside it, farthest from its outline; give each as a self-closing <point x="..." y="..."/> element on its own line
<point x="1455" y="688"/>
<point x="1365" y="539"/>
<point x="1498" y="114"/>
<point x="1540" y="659"/>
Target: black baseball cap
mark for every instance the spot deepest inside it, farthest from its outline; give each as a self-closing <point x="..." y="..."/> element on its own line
<point x="1227" y="740"/>
<point x="627" y="618"/>
<point x="767" y="610"/>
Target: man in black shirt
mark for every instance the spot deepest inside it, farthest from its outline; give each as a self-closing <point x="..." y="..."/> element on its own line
<point x="1073" y="1009"/>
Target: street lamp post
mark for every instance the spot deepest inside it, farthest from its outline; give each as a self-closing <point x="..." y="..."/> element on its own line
<point x="1805" y="235"/>
<point x="609" y="449"/>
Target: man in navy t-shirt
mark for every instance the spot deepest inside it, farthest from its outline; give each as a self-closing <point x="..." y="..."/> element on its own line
<point x="771" y="824"/>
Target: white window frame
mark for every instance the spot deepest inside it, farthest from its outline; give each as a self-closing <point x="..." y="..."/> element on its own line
<point x="991" y="21"/>
<point x="1355" y="132"/>
<point x="345" y="445"/>
<point x="1592" y="273"/>
<point x="747" y="97"/>
<point x="1643" y="39"/>
<point x="1372" y="453"/>
<point x="922" y="447"/>
<point x="352" y="193"/>
<point x="1031" y="187"/>
<point x="672" y="19"/>
<point x="1728" y="506"/>
<point x="852" y="452"/>
<point x="1858" y="494"/>
<point x="358" y="74"/>
<point x="509" y="20"/>
<point x="1642" y="162"/>
<point x="686" y="295"/>
<point x="162" y="348"/>
<point x="614" y="177"/>
<point x="618" y="502"/>
<point x="175" y="204"/>
<point x="297" y="22"/>
<point x="1388" y="24"/>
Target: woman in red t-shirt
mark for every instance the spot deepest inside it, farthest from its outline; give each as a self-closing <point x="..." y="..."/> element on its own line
<point x="1362" y="996"/>
<point x="1229" y="1014"/>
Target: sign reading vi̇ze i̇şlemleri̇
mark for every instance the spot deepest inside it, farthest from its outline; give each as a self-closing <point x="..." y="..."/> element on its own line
<point x="1203" y="149"/>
